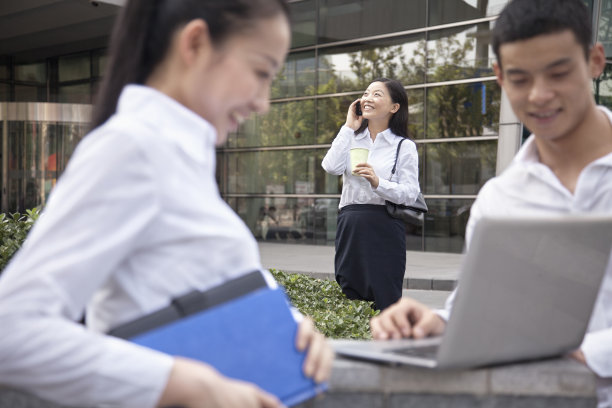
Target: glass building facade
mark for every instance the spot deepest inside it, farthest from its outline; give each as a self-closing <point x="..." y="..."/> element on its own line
<point x="270" y="170"/>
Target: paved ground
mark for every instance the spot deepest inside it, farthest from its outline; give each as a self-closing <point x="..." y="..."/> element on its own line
<point x="429" y="275"/>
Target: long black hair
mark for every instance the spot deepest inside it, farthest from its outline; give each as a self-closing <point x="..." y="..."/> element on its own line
<point x="398" y="123"/>
<point x="143" y="31"/>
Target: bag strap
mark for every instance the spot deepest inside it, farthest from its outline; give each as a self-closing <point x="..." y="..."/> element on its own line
<point x="396" y="155"/>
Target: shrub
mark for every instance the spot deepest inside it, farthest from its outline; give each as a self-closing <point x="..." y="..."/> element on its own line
<point x="333" y="313"/>
<point x="13" y="231"/>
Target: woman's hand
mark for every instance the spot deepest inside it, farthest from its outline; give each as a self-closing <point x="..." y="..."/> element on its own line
<point x="320" y="356"/>
<point x="196" y="385"/>
<point x="352" y="119"/>
<point x="367" y="171"/>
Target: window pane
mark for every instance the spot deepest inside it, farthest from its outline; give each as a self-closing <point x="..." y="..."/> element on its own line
<point x="80" y="93"/>
<point x="25" y="93"/>
<point x="303" y="23"/>
<point x="352" y="68"/>
<point x="74" y="67"/>
<point x="297" y="77"/>
<point x="348" y="19"/>
<point x="445" y="225"/>
<point x="460" y="52"/>
<point x="451" y="11"/>
<point x="463" y="110"/>
<point x="279" y="172"/>
<point x="297" y="220"/>
<point x="31" y="72"/>
<point x="4" y="71"/>
<point x="287" y="123"/>
<point x="331" y="115"/>
<point x="457" y="168"/>
<point x="5" y="92"/>
<point x="99" y="61"/>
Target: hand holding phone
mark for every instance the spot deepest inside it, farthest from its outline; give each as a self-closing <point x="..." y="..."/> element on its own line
<point x="358" y="108"/>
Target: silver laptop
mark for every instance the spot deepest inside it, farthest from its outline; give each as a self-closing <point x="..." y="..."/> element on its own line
<point x="527" y="290"/>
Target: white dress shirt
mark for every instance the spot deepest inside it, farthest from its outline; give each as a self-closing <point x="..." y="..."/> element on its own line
<point x="403" y="188"/>
<point x="135" y="220"/>
<point x="529" y="187"/>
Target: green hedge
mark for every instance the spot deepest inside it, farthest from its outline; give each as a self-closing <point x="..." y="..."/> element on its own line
<point x="333" y="314"/>
<point x="13" y="230"/>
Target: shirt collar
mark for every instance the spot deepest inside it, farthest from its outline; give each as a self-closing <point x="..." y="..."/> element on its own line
<point x="193" y="134"/>
<point x="528" y="153"/>
<point x="387" y="134"/>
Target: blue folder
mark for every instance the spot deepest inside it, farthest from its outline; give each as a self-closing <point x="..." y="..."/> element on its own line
<point x="250" y="337"/>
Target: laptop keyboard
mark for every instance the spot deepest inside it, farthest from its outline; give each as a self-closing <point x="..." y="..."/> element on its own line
<point x="429" y="352"/>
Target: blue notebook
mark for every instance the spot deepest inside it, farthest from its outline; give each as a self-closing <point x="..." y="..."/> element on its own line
<point x="250" y="337"/>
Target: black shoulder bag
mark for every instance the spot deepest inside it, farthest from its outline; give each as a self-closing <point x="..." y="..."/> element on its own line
<point x="407" y="213"/>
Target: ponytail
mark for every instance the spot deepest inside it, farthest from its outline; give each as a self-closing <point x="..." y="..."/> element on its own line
<point x="127" y="56"/>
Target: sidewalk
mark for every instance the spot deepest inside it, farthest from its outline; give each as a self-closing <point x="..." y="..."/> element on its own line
<point x="429" y="275"/>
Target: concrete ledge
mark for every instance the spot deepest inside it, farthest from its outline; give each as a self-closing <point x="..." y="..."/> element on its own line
<point x="552" y="383"/>
<point x="560" y="383"/>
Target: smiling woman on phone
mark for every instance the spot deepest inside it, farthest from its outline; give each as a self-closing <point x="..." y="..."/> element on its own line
<point x="371" y="245"/>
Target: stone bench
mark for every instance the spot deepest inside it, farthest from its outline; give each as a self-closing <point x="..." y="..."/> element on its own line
<point x="559" y="383"/>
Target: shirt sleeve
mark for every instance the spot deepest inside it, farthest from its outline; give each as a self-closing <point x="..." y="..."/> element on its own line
<point x="96" y="216"/>
<point x="597" y="349"/>
<point x="337" y="158"/>
<point x="403" y="188"/>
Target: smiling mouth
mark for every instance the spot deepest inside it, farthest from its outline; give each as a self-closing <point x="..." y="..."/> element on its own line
<point x="545" y="115"/>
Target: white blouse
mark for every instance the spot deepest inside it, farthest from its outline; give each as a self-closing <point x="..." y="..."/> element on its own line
<point x="135" y="220"/>
<point x="402" y="188"/>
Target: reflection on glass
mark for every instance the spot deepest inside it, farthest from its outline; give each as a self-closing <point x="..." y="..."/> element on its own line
<point x="458" y="168"/>
<point x="36" y="72"/>
<point x="297" y="77"/>
<point x="80" y="93"/>
<point x="604" y="34"/>
<point x="279" y="172"/>
<point x="463" y="110"/>
<point x="342" y="19"/>
<point x="415" y="113"/>
<point x="460" y="52"/>
<point x="98" y="66"/>
<point x="303" y="23"/>
<point x="451" y="11"/>
<point x="344" y="69"/>
<point x="331" y="115"/>
<point x="289" y="220"/>
<point x="445" y="225"/>
<point x="27" y="93"/>
<point x="602" y="87"/>
<point x="5" y="92"/>
<point x="73" y="67"/>
<point x="37" y="153"/>
<point x="286" y="123"/>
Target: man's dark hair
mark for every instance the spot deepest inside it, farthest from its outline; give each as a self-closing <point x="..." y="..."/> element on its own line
<point x="525" y="19"/>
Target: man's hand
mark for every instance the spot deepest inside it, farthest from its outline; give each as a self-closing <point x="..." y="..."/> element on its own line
<point x="578" y="355"/>
<point x="406" y="318"/>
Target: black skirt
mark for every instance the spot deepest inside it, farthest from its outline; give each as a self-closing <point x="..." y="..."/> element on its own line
<point x="370" y="254"/>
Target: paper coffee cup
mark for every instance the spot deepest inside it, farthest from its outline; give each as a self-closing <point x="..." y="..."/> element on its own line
<point x="358" y="155"/>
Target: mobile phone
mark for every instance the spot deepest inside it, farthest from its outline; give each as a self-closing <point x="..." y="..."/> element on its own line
<point x="358" y="108"/>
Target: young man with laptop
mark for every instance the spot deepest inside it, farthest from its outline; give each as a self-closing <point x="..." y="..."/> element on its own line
<point x="545" y="65"/>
